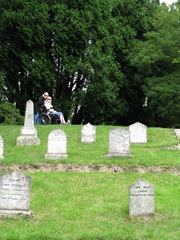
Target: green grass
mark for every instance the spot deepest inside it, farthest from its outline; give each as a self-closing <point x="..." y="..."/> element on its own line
<point x="94" y="205"/>
<point x="154" y="152"/>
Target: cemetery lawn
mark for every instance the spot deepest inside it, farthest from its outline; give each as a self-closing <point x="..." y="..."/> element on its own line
<point x="92" y="204"/>
<point x="160" y="148"/>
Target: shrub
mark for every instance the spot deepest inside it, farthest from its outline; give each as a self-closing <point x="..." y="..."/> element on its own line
<point x="9" y="114"/>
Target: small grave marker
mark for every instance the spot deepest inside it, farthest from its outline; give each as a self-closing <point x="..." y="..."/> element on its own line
<point x="14" y="194"/>
<point x="88" y="133"/>
<point x="119" y="144"/>
<point x="57" y="145"/>
<point x="138" y="133"/>
<point x="141" y="198"/>
<point x="1" y="147"/>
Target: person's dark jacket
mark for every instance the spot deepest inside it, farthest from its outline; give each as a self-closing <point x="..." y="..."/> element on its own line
<point x="39" y="104"/>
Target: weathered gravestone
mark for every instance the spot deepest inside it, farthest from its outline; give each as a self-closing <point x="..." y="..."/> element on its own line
<point x="28" y="132"/>
<point x="88" y="133"/>
<point x="57" y="145"/>
<point x="1" y="147"/>
<point x="14" y="194"/>
<point x="141" y="198"/>
<point x="177" y="132"/>
<point x="119" y="143"/>
<point x="138" y="133"/>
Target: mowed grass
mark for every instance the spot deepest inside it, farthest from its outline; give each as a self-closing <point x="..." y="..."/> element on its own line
<point x="154" y="152"/>
<point x="90" y="206"/>
<point x="94" y="205"/>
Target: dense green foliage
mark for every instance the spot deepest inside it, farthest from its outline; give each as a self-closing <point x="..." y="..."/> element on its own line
<point x="9" y="114"/>
<point x="84" y="53"/>
<point x="153" y="59"/>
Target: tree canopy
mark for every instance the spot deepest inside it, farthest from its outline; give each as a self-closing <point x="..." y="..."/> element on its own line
<point x="100" y="59"/>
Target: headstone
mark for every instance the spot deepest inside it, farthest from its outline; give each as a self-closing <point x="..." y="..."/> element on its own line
<point x="177" y="132"/>
<point x="57" y="145"/>
<point x="28" y="132"/>
<point x="88" y="133"/>
<point x="14" y="194"/>
<point x="1" y="147"/>
<point x="119" y="144"/>
<point x="138" y="133"/>
<point x="141" y="198"/>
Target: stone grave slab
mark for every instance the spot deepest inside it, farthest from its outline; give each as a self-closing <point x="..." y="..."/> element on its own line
<point x="28" y="132"/>
<point x="138" y="133"/>
<point x="88" y="133"/>
<point x="1" y="147"/>
<point x="177" y="132"/>
<point x="14" y="194"/>
<point x="57" y="145"/>
<point x="119" y="143"/>
<point x="141" y="199"/>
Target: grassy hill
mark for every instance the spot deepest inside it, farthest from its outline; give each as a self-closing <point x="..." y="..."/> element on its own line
<point x="157" y="151"/>
<point x="93" y="205"/>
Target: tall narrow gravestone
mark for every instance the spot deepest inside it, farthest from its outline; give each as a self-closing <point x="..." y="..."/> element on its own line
<point x="119" y="144"/>
<point x="57" y="145"/>
<point x="28" y="132"/>
<point x="138" y="133"/>
<point x="1" y="147"/>
<point x="88" y="133"/>
<point x="14" y="194"/>
<point x="141" y="198"/>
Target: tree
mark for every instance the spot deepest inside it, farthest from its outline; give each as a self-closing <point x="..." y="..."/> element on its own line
<point x="153" y="60"/>
<point x="83" y="57"/>
<point x="24" y="49"/>
<point x="78" y="51"/>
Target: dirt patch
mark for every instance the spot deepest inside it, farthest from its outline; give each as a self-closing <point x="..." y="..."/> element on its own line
<point x="61" y="167"/>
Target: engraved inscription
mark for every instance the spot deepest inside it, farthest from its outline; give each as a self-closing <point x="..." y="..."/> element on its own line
<point x="141" y="198"/>
<point x="14" y="191"/>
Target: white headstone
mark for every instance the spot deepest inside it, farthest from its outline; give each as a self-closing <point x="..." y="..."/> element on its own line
<point x="57" y="145"/>
<point x="119" y="144"/>
<point x="88" y="133"/>
<point x="138" y="133"/>
<point x="177" y="132"/>
<point x="14" y="194"/>
<point x="141" y="198"/>
<point x="1" y="147"/>
<point x="28" y="132"/>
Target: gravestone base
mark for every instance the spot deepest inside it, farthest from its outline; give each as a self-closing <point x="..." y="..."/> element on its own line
<point x="14" y="213"/>
<point x="1" y="157"/>
<point x="55" y="156"/>
<point x="27" y="141"/>
<point x="118" y="155"/>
